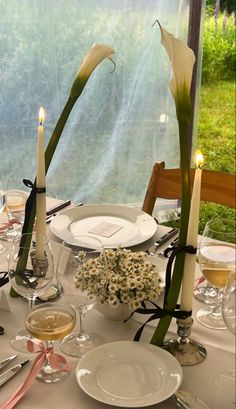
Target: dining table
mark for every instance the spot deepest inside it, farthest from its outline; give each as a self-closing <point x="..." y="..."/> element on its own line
<point x="211" y="380"/>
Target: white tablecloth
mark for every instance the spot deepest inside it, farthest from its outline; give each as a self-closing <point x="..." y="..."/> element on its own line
<point x="198" y="379"/>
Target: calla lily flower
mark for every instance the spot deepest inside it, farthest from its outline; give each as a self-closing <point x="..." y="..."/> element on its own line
<point x="93" y="58"/>
<point x="182" y="59"/>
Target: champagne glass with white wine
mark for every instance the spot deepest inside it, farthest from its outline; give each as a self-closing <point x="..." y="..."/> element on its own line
<point x="217" y="261"/>
<point x="50" y="322"/>
<point x="29" y="275"/>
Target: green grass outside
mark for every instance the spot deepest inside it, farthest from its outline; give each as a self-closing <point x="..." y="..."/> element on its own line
<point x="216" y="140"/>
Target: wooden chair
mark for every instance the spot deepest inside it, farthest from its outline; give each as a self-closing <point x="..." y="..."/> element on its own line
<point x="217" y="187"/>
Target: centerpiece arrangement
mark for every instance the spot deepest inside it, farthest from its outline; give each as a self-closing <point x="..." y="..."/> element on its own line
<point x="182" y="61"/>
<point x="127" y="278"/>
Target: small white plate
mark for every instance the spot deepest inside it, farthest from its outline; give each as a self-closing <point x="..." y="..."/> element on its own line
<point x="129" y="374"/>
<point x="114" y="225"/>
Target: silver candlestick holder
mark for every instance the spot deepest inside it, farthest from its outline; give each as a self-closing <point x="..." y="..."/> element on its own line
<point x="185" y="350"/>
<point x="53" y="292"/>
<point x="40" y="266"/>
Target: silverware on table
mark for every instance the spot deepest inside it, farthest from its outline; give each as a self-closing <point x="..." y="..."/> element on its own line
<point x="9" y="373"/>
<point x="163" y="239"/>
<point x="54" y="211"/>
<point x="171" y="245"/>
<point x="58" y="207"/>
<point x="185" y="400"/>
<point x="6" y="361"/>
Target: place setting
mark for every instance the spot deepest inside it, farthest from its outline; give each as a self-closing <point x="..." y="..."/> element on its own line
<point x="115" y="225"/>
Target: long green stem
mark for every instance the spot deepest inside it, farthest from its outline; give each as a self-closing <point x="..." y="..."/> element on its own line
<point x="164" y="323"/>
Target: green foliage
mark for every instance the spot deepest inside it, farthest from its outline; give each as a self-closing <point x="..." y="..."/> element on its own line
<point x="219" y="53"/>
<point x="216" y="128"/>
<point x="225" y="5"/>
<point x="216" y="139"/>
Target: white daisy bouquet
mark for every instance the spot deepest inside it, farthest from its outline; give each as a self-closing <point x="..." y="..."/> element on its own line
<point x="122" y="276"/>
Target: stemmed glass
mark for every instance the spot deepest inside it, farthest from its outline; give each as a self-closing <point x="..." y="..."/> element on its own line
<point x="28" y="276"/>
<point x="216" y="260"/>
<point x="229" y="316"/>
<point x="205" y="293"/>
<point x="49" y="322"/>
<point x="3" y="225"/>
<point x="15" y="200"/>
<point x="75" y="253"/>
<point x="12" y="201"/>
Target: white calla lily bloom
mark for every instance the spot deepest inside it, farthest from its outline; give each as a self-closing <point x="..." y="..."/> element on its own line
<point x="182" y="59"/>
<point x="92" y="59"/>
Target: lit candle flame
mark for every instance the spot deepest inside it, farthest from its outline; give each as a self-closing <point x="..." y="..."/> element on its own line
<point x="41" y="116"/>
<point x="199" y="160"/>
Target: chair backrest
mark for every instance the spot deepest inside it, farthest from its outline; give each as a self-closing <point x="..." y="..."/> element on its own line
<point x="216" y="187"/>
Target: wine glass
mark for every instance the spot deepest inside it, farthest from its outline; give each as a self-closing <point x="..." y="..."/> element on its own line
<point x="216" y="260"/>
<point x="15" y="199"/>
<point x="3" y="224"/>
<point x="229" y="303"/>
<point x="79" y="252"/>
<point x="49" y="322"/>
<point x="29" y="275"/>
<point x="205" y="293"/>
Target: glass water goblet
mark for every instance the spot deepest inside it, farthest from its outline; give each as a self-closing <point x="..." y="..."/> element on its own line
<point x="216" y="260"/>
<point x="74" y="254"/>
<point x="50" y="322"/>
<point x="29" y="275"/>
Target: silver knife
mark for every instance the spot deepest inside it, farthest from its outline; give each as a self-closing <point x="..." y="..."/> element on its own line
<point x="163" y="239"/>
<point x="5" y="376"/>
<point x="166" y="237"/>
<point x="6" y="361"/>
<point x="58" y="207"/>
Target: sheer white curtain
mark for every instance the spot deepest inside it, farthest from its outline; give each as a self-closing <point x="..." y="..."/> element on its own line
<point x="124" y="120"/>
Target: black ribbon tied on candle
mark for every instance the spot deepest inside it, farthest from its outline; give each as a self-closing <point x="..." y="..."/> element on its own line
<point x="29" y="203"/>
<point x="159" y="312"/>
<point x="33" y="186"/>
<point x="31" y="198"/>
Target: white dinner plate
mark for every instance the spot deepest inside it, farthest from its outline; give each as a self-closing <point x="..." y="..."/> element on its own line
<point x="114" y="225"/>
<point x="129" y="374"/>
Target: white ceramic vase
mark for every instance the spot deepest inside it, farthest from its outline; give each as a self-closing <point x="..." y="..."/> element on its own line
<point x="118" y="313"/>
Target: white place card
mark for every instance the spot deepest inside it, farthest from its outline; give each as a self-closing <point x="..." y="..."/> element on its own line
<point x="105" y="229"/>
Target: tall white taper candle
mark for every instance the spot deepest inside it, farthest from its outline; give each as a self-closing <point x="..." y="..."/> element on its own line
<point x="40" y="197"/>
<point x="192" y="236"/>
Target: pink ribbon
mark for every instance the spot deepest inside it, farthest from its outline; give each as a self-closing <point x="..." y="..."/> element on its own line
<point x="10" y="223"/>
<point x="57" y="361"/>
<point x="199" y="281"/>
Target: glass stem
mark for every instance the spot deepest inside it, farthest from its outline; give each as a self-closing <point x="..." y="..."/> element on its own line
<point x="31" y="302"/>
<point x="9" y="217"/>
<point x="81" y="335"/>
<point x="217" y="306"/>
<point x="81" y="316"/>
<point x="49" y="346"/>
